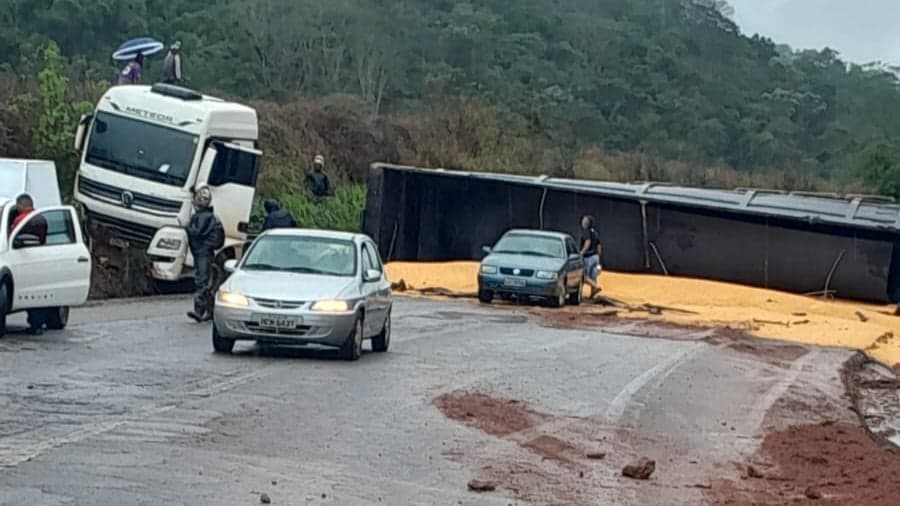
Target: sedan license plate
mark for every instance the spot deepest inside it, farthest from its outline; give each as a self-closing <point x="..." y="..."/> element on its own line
<point x="278" y="322"/>
<point x="514" y="283"/>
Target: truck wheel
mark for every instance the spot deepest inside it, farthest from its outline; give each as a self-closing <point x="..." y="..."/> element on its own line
<point x="4" y="307"/>
<point x="382" y="341"/>
<point x="221" y="344"/>
<point x="57" y="317"/>
<point x="352" y="348"/>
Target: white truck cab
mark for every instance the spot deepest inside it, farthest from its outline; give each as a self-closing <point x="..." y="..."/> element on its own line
<point x="44" y="263"/>
<point x="145" y="150"/>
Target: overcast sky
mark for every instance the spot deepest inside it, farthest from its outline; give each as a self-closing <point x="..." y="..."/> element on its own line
<point x="861" y="30"/>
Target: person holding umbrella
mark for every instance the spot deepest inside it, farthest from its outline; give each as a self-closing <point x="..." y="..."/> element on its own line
<point x="134" y="51"/>
<point x="131" y="74"/>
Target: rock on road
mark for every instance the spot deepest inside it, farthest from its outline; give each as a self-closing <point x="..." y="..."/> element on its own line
<point x="129" y="406"/>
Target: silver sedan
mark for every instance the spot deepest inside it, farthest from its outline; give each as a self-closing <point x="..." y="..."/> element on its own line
<point x="300" y="287"/>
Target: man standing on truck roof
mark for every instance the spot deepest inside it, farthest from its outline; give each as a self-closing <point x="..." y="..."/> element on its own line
<point x="317" y="181"/>
<point x="172" y="64"/>
<point x="590" y="252"/>
<point x="276" y="217"/>
<point x="205" y="235"/>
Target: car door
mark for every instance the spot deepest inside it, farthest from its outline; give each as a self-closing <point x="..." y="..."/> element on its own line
<point x="56" y="272"/>
<point x="373" y="289"/>
<point x="575" y="263"/>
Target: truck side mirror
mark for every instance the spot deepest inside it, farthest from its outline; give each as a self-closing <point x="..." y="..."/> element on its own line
<point x="81" y="131"/>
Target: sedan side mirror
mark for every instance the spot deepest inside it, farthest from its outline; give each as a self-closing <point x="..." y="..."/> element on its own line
<point x="26" y="241"/>
<point x="486" y="250"/>
<point x="230" y="265"/>
<point x="371" y="275"/>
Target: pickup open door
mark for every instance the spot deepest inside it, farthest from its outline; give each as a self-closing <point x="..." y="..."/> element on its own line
<point x="230" y="171"/>
<point x="49" y="262"/>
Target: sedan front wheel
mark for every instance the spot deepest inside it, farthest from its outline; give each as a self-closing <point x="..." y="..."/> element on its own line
<point x="352" y="348"/>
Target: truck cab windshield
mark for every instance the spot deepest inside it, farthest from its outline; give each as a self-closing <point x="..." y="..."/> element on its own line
<point x="141" y="149"/>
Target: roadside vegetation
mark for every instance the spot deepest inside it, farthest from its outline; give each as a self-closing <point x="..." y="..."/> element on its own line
<point x="614" y="90"/>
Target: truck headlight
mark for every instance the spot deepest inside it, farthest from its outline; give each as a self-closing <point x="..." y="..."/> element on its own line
<point x="488" y="269"/>
<point x="331" y="306"/>
<point x="545" y="275"/>
<point x="233" y="299"/>
<point x="169" y="243"/>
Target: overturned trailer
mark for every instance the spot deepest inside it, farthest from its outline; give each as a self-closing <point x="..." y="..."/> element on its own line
<point x="798" y="242"/>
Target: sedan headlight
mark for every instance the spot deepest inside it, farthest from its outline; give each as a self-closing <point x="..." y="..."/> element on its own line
<point x="488" y="269"/>
<point x="169" y="243"/>
<point x="331" y="306"/>
<point x="233" y="299"/>
<point x="545" y="275"/>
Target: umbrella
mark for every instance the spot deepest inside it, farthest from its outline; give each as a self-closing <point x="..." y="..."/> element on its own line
<point x="144" y="45"/>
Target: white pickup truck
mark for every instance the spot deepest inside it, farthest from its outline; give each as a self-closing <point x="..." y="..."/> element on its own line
<point x="45" y="266"/>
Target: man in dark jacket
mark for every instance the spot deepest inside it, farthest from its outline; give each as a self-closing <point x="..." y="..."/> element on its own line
<point x="172" y="65"/>
<point x="317" y="181"/>
<point x="276" y="217"/>
<point x="205" y="235"/>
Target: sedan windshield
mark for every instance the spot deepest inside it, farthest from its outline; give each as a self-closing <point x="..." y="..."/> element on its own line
<point x="535" y="245"/>
<point x="141" y="149"/>
<point x="302" y="255"/>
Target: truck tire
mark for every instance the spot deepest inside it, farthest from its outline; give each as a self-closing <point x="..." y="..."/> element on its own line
<point x="56" y="318"/>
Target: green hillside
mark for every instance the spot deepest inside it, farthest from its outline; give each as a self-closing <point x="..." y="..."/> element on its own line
<point x="613" y="89"/>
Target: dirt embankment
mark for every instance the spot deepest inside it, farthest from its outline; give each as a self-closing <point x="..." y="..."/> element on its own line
<point x="692" y="302"/>
<point x="827" y="463"/>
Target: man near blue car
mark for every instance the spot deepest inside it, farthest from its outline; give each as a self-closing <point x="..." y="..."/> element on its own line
<point x="590" y="252"/>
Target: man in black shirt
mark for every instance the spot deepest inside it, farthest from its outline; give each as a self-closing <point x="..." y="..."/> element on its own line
<point x="590" y="251"/>
<point x="276" y="217"/>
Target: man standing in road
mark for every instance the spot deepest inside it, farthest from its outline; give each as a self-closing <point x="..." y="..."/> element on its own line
<point x="317" y="181"/>
<point x="172" y="65"/>
<point x="205" y="235"/>
<point x="276" y="217"/>
<point x="590" y="251"/>
<point x="37" y="227"/>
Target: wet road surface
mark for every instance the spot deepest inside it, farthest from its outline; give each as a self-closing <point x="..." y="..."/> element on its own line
<point x="129" y="406"/>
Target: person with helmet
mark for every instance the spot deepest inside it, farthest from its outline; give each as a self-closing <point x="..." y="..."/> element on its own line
<point x="317" y="180"/>
<point x="276" y="217"/>
<point x="205" y="235"/>
<point x="172" y="65"/>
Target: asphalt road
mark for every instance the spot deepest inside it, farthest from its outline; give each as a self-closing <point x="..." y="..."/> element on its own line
<point x="129" y="406"/>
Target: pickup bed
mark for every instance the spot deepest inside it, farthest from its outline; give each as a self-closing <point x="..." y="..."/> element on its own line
<point x="45" y="266"/>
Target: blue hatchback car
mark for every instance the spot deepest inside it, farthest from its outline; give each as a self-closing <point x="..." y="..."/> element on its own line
<point x="530" y="265"/>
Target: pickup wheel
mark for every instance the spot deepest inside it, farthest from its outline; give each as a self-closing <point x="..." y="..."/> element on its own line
<point x="4" y="306"/>
<point x="57" y="317"/>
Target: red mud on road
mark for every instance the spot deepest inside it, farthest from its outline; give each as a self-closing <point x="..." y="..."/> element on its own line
<point x="834" y="464"/>
<point x="558" y="470"/>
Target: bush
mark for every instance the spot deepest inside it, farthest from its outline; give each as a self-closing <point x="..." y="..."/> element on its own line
<point x="342" y="211"/>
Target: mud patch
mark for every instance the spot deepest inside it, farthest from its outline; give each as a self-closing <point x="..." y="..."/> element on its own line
<point x="840" y="462"/>
<point x="551" y="464"/>
<point x="738" y="340"/>
<point x="497" y="417"/>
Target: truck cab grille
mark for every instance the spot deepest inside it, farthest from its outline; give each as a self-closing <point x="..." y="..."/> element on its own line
<point x="113" y="195"/>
